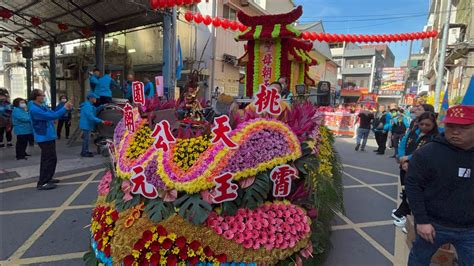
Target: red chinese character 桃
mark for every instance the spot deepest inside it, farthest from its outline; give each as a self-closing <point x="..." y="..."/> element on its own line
<point x="267" y="100"/>
<point x="162" y="135"/>
<point x="221" y="130"/>
<point x="225" y="190"/>
<point x="138" y="92"/>
<point x="281" y="177"/>
<point x="128" y="117"/>
<point x="140" y="186"/>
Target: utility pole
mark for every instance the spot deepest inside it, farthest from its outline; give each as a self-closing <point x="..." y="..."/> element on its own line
<point x="442" y="57"/>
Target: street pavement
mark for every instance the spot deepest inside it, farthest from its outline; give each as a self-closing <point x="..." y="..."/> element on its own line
<point x="51" y="227"/>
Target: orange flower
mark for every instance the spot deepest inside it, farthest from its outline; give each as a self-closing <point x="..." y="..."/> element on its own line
<point x="129" y="222"/>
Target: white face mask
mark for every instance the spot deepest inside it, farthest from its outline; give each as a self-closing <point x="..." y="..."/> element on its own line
<point x="22" y="105"/>
<point x="63" y="100"/>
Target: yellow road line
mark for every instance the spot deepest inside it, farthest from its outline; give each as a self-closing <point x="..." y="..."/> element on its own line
<point x="68" y="256"/>
<point x="77" y="207"/>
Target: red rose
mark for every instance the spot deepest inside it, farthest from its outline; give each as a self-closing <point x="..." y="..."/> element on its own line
<point x="139" y="245"/>
<point x="180" y="242"/>
<point x="99" y="245"/>
<point x="115" y="216"/>
<point x="128" y="260"/>
<point x="222" y="258"/>
<point x="155" y="247"/>
<point x="172" y="260"/>
<point x="155" y="259"/>
<point x="193" y="260"/>
<point x="183" y="254"/>
<point x="147" y="236"/>
<point x="208" y="251"/>
<point x="144" y="262"/>
<point x="161" y="230"/>
<point x="107" y="251"/>
<point x="195" y="245"/>
<point x="167" y="243"/>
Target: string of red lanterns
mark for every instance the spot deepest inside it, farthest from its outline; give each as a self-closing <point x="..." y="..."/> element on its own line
<point x="157" y="4"/>
<point x="216" y="21"/>
<point x="334" y="38"/>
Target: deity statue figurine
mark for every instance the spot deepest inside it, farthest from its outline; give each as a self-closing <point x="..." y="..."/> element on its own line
<point x="192" y="107"/>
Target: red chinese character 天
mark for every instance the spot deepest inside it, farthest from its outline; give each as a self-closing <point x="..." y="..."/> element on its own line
<point x="140" y="186"/>
<point x="225" y="190"/>
<point x="138" y="92"/>
<point x="267" y="100"/>
<point x="128" y="117"/>
<point x="281" y="177"/>
<point x="162" y="135"/>
<point x="221" y="130"/>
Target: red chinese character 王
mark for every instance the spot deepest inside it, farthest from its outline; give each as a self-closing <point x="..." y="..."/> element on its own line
<point x="281" y="177"/>
<point x="267" y="100"/>
<point x="140" y="186"/>
<point x="162" y="135"/>
<point x="221" y="130"/>
<point x="138" y="92"/>
<point x="225" y="190"/>
<point x="128" y="117"/>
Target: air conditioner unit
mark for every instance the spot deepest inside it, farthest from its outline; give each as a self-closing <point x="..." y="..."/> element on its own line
<point x="454" y="35"/>
<point x="230" y="59"/>
<point x="59" y="71"/>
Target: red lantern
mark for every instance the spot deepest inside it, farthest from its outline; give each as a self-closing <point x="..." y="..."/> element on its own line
<point x="36" y="21"/>
<point x="171" y="3"/>
<point x="434" y="33"/>
<point x="233" y="25"/>
<point x="154" y="4"/>
<point x="424" y="35"/>
<point x="198" y="18"/>
<point x="162" y="3"/>
<point x="305" y="35"/>
<point x="329" y="37"/>
<point x="242" y="27"/>
<point x="225" y="24"/>
<point x="197" y="1"/>
<point x="5" y="13"/>
<point x="207" y="20"/>
<point x="320" y="37"/>
<point x="19" y="39"/>
<point x="62" y="27"/>
<point x="188" y="16"/>
<point x="179" y="2"/>
<point x="86" y="31"/>
<point x="313" y="36"/>
<point x="216" y="22"/>
<point x="188" y="2"/>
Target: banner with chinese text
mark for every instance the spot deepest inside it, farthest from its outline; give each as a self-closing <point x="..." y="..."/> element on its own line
<point x="393" y="81"/>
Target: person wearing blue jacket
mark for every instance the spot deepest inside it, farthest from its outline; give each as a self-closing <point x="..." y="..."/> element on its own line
<point x="64" y="120"/>
<point x="42" y="119"/>
<point x="149" y="88"/>
<point x="21" y="127"/>
<point x="127" y="89"/>
<point x="397" y="126"/>
<point x="88" y="122"/>
<point x="94" y="79"/>
<point x="103" y="89"/>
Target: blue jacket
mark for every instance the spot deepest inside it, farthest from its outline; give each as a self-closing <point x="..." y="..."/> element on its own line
<point x="103" y="88"/>
<point x="67" y="116"/>
<point x="21" y="122"/>
<point x="403" y="143"/>
<point x="127" y="90"/>
<point x="88" y="116"/>
<point x="42" y="119"/>
<point x="149" y="90"/>
<point x="394" y="120"/>
<point x="5" y="113"/>
<point x="93" y="82"/>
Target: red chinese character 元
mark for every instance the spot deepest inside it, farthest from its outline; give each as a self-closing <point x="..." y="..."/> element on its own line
<point x="128" y="116"/>
<point x="225" y="190"/>
<point x="162" y="135"/>
<point x="281" y="177"/>
<point x="267" y="100"/>
<point x="138" y="92"/>
<point x="140" y="186"/>
<point x="221" y="130"/>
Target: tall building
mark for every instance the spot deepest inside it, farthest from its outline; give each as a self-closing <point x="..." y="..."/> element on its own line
<point x="388" y="56"/>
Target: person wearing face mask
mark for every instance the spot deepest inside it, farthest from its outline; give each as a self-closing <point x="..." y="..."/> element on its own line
<point x="5" y="121"/>
<point x="45" y="134"/>
<point x="21" y="127"/>
<point x="64" y="120"/>
<point x="397" y="127"/>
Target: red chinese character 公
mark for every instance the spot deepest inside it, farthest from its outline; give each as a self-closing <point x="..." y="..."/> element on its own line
<point x="162" y="135"/>
<point x="281" y="177"/>
<point x="267" y="100"/>
<point x="225" y="190"/>
<point x="140" y="186"/>
<point x="138" y="92"/>
<point x="128" y="117"/>
<point x="221" y="130"/>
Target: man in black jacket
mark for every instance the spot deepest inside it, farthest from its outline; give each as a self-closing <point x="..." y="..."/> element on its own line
<point x="440" y="190"/>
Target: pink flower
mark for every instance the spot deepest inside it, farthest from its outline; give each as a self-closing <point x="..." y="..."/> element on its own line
<point x="245" y="183"/>
<point x="207" y="196"/>
<point x="229" y="235"/>
<point x="279" y="213"/>
<point x="126" y="188"/>
<point x="248" y="243"/>
<point x="297" y="227"/>
<point x="287" y="214"/>
<point x="255" y="234"/>
<point x="248" y="226"/>
<point x="247" y="235"/>
<point x="168" y="195"/>
<point x="278" y="221"/>
<point x="225" y="226"/>
<point x="218" y="230"/>
<point x="263" y="237"/>
<point x="284" y="245"/>
<point x="285" y="227"/>
<point x="307" y="229"/>
<point x="233" y="227"/>
<point x="240" y="226"/>
<point x="239" y="238"/>
<point x="271" y="238"/>
<point x="307" y="251"/>
<point x="290" y="221"/>
<point x="257" y="225"/>
<point x="298" y="261"/>
<point x="293" y="230"/>
<point x="279" y="238"/>
<point x="256" y="245"/>
<point x="265" y="223"/>
<point x="104" y="185"/>
<point x="269" y="246"/>
<point x="229" y="219"/>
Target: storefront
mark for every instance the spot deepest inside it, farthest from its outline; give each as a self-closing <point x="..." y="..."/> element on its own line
<point x="352" y="94"/>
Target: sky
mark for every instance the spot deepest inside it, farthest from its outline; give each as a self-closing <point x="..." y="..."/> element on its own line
<point x="370" y="17"/>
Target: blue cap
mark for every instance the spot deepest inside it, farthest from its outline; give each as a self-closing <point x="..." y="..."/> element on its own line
<point x="92" y="95"/>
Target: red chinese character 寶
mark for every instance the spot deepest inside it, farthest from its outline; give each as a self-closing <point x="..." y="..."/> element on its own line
<point x="128" y="116"/>
<point x="221" y="130"/>
<point x="281" y="177"/>
<point x="225" y="190"/>
<point x="162" y="135"/>
<point x="138" y="92"/>
<point x="268" y="100"/>
<point x="140" y="186"/>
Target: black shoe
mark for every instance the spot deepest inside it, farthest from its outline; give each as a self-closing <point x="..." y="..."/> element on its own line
<point x="9" y="144"/>
<point x="357" y="147"/>
<point x="46" y="186"/>
<point x="21" y="158"/>
<point x="393" y="156"/>
<point x="26" y="154"/>
<point x="87" y="155"/>
<point x="362" y="149"/>
<point x="380" y="153"/>
<point x="54" y="181"/>
<point x="375" y="150"/>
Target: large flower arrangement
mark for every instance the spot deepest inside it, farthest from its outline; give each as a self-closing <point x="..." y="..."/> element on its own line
<point x="184" y="226"/>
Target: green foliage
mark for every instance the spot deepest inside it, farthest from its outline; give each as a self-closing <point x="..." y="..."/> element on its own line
<point x="193" y="208"/>
<point x="257" y="193"/>
<point x="121" y="205"/>
<point x="90" y="259"/>
<point x="229" y="208"/>
<point x="158" y="210"/>
<point x="115" y="188"/>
